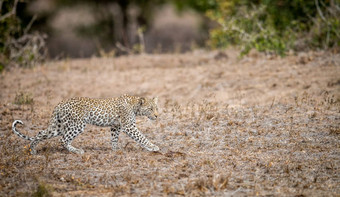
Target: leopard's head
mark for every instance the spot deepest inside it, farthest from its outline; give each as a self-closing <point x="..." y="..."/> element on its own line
<point x="148" y="107"/>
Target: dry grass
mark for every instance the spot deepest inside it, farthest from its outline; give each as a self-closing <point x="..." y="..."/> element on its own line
<point x="256" y="126"/>
<point x="23" y="98"/>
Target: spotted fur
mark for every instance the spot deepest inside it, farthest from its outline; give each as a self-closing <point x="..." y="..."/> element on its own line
<point x="70" y="117"/>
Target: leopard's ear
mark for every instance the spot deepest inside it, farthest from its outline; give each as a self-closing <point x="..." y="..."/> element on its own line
<point x="141" y="101"/>
<point x="155" y="99"/>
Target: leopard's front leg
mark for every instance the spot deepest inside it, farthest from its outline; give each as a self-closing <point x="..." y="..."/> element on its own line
<point x="132" y="131"/>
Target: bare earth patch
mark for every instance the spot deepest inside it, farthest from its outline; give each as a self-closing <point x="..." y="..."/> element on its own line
<point x="256" y="126"/>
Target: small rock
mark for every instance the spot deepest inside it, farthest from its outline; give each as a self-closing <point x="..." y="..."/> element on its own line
<point x="220" y="55"/>
<point x="311" y="114"/>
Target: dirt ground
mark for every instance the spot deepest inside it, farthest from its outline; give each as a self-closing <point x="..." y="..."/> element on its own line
<point x="260" y="125"/>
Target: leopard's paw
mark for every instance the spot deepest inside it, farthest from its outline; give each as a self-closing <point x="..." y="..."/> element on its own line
<point x="153" y="148"/>
<point x="79" y="151"/>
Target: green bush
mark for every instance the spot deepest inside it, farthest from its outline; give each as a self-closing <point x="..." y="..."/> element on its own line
<point x="275" y="26"/>
<point x="17" y="46"/>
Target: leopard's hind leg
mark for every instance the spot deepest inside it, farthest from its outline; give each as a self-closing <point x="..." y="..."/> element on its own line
<point x="71" y="131"/>
<point x="115" y="130"/>
<point x="53" y="130"/>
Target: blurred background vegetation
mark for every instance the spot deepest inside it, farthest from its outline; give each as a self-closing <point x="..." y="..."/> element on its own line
<point x="83" y="28"/>
<point x="276" y="26"/>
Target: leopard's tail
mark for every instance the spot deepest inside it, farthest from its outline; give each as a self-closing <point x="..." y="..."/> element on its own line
<point x="18" y="132"/>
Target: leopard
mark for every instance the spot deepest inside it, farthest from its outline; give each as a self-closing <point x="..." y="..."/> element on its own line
<point x="70" y="117"/>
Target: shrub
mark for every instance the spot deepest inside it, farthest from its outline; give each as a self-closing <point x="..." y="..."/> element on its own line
<point x="17" y="46"/>
<point x="275" y="26"/>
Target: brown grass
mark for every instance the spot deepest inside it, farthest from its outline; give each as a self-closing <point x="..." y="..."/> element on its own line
<point x="23" y="98"/>
<point x="256" y="126"/>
